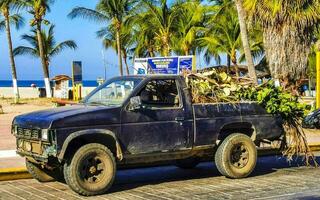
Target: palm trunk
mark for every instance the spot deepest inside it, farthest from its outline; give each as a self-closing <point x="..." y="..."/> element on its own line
<point x="125" y="62"/>
<point x="186" y="51"/>
<point x="234" y="61"/>
<point x="119" y="52"/>
<point x="228" y="63"/>
<point x="12" y="61"/>
<point x="245" y="40"/>
<point x="45" y="67"/>
<point x="287" y="51"/>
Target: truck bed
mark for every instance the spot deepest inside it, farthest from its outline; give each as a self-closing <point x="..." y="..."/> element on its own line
<point x="213" y="120"/>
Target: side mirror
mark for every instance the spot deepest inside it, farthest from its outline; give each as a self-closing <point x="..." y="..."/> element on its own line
<point x="135" y="103"/>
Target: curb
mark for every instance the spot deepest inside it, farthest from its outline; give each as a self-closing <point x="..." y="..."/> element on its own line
<point x="10" y="174"/>
<point x="14" y="174"/>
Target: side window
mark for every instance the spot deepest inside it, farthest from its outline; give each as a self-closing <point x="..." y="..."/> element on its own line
<point x="160" y="94"/>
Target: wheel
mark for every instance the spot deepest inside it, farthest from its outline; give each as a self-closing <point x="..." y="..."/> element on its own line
<point x="38" y="173"/>
<point x="91" y="170"/>
<point x="188" y="163"/>
<point x="236" y="157"/>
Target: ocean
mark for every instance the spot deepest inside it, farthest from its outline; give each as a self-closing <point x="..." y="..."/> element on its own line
<point x="40" y="83"/>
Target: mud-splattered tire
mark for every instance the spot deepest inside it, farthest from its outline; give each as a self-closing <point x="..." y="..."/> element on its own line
<point x="236" y="157"/>
<point x="91" y="170"/>
<point x="188" y="163"/>
<point x="38" y="173"/>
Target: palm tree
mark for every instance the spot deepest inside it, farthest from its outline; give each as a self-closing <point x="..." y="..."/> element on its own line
<point x="143" y="39"/>
<point x="189" y="25"/>
<point x="50" y="47"/>
<point x="38" y="9"/>
<point x="108" y="35"/>
<point x="288" y="27"/>
<point x="17" y="20"/>
<point x="245" y="40"/>
<point x="161" y="19"/>
<point x="114" y="11"/>
<point x="223" y="6"/>
<point x="223" y="36"/>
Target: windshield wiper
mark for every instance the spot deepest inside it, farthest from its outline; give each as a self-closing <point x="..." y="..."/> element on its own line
<point x="95" y="103"/>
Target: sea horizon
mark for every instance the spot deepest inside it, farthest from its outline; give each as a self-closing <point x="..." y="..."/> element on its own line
<point x="40" y="83"/>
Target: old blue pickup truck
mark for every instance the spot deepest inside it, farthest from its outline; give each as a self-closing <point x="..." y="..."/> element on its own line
<point x="138" y="120"/>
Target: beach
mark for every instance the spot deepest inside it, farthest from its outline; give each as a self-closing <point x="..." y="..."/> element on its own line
<point x="29" y="92"/>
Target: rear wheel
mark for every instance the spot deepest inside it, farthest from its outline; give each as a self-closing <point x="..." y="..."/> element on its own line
<point x="91" y="170"/>
<point x="236" y="157"/>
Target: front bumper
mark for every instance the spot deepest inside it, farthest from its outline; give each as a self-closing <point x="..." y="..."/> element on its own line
<point x="35" y="151"/>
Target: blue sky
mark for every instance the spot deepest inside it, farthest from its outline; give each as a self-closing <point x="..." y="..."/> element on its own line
<point x="82" y="31"/>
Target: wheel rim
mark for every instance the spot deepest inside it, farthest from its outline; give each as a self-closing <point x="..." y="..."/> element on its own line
<point x="93" y="170"/>
<point x="239" y="155"/>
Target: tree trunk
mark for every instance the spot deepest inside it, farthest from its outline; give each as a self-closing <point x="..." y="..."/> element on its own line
<point x="119" y="52"/>
<point x="124" y="53"/>
<point x="245" y="41"/>
<point x="43" y="62"/>
<point x="228" y="63"/>
<point x="12" y="61"/>
<point x="234" y="61"/>
<point x="186" y="51"/>
<point x="287" y="49"/>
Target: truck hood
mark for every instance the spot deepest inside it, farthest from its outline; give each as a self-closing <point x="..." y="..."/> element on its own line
<point x="69" y="116"/>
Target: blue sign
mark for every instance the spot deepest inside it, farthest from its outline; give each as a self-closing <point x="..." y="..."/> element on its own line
<point x="163" y="65"/>
<point x="77" y="72"/>
<point x="185" y="64"/>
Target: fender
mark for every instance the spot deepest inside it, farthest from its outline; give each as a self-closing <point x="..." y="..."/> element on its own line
<point x="238" y="125"/>
<point x="78" y="134"/>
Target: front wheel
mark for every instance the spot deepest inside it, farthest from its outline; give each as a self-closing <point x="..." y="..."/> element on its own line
<point x="91" y="171"/>
<point x="236" y="157"/>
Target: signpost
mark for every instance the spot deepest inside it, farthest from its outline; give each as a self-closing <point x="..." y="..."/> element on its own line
<point x="164" y="65"/>
<point x="318" y="80"/>
<point x="76" y="79"/>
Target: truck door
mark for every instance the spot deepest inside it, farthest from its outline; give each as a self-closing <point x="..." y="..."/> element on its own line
<point x="159" y="126"/>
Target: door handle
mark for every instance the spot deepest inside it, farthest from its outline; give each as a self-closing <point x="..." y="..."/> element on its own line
<point x="179" y="119"/>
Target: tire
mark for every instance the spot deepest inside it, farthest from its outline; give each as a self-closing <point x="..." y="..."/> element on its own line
<point x="188" y="163"/>
<point x="37" y="173"/>
<point x="82" y="172"/>
<point x="236" y="157"/>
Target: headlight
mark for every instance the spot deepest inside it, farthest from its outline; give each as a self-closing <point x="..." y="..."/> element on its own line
<point x="15" y="130"/>
<point x="45" y="134"/>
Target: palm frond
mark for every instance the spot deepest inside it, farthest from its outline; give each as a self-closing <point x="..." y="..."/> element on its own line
<point x="89" y="14"/>
<point x="69" y="44"/>
<point x="17" y="20"/>
<point x="22" y="50"/>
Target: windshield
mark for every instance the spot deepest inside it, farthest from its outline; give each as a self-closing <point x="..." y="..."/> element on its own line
<point x="113" y="93"/>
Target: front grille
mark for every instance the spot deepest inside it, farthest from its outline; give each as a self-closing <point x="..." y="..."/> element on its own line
<point x="28" y="133"/>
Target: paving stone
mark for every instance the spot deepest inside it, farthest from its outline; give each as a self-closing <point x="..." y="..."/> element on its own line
<point x="268" y="182"/>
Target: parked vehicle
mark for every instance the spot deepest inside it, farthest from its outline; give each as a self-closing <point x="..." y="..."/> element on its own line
<point x="312" y="120"/>
<point x="139" y="120"/>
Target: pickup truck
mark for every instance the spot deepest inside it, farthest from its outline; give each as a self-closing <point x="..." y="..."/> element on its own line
<point x="134" y="120"/>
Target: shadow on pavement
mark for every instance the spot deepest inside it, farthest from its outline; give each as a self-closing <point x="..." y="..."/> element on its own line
<point x="134" y="178"/>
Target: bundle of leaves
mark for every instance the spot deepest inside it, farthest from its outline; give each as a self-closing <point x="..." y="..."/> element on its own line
<point x="214" y="87"/>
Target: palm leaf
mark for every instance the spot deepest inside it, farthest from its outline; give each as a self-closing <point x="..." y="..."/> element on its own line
<point x="69" y="44"/>
<point x="87" y="13"/>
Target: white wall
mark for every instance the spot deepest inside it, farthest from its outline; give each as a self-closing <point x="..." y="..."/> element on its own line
<point x="28" y="92"/>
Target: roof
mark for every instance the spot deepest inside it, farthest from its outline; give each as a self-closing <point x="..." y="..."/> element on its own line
<point x="61" y="78"/>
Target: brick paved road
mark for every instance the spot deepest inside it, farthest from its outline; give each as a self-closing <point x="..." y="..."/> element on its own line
<point x="273" y="179"/>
